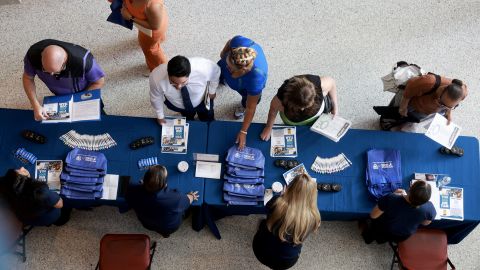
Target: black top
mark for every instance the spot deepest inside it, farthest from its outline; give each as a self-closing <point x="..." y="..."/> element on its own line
<point x="400" y="218"/>
<point x="76" y="53"/>
<point x="162" y="211"/>
<point x="268" y="247"/>
<point x="39" y="212"/>
<point x="315" y="79"/>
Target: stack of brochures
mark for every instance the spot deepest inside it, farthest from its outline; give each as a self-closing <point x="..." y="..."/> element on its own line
<point x="284" y="142"/>
<point x="448" y="201"/>
<point x="49" y="171"/>
<point x="83" y="106"/>
<point x="332" y="127"/>
<point x="175" y="135"/>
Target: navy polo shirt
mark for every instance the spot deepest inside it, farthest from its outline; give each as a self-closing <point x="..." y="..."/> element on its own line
<point x="401" y="219"/>
<point x="161" y="211"/>
<point x="43" y="214"/>
<point x="268" y="247"/>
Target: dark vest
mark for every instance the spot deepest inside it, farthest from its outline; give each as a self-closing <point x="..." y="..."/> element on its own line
<point x="75" y="64"/>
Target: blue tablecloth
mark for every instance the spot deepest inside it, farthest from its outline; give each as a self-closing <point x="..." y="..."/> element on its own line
<point x="121" y="159"/>
<point x="419" y="154"/>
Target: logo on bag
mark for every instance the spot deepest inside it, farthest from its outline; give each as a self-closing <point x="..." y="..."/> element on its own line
<point x="86" y="158"/>
<point x="245" y="156"/>
<point x="382" y="165"/>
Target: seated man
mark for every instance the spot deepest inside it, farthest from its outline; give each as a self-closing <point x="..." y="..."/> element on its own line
<point x="398" y="215"/>
<point x="65" y="68"/>
<point x="157" y="207"/>
<point x="182" y="84"/>
<point x="426" y="95"/>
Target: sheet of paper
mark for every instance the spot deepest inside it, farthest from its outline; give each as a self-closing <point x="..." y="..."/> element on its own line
<point x="206" y="157"/>
<point x="442" y="133"/>
<point x="86" y="110"/>
<point x="208" y="170"/>
<point x="110" y="187"/>
<point x="267" y="196"/>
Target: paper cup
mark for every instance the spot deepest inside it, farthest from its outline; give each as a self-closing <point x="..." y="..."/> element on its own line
<point x="277" y="187"/>
<point x="182" y="166"/>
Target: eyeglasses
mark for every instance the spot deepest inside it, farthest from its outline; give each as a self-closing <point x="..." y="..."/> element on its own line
<point x="443" y="105"/>
<point x="64" y="66"/>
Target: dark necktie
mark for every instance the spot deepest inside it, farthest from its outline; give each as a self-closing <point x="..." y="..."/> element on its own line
<point x="187" y="103"/>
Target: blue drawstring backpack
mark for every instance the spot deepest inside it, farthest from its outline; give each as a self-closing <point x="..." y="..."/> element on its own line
<point x="384" y="174"/>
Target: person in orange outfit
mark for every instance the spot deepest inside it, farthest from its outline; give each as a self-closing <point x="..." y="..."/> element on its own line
<point x="150" y="14"/>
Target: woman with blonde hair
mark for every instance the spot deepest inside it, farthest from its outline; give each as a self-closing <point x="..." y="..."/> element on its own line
<point x="290" y="219"/>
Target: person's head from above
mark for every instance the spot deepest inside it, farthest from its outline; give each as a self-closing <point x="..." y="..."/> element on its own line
<point x="178" y="69"/>
<point x="54" y="60"/>
<point x="419" y="193"/>
<point x="296" y="211"/>
<point x="26" y="188"/>
<point x="451" y="95"/>
<point x="300" y="94"/>
<point x="155" y="178"/>
<point x="16" y="177"/>
<point x="240" y="60"/>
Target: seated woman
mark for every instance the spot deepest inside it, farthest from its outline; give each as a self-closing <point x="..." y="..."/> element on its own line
<point x="157" y="207"/>
<point x="398" y="215"/>
<point x="32" y="201"/>
<point x="291" y="218"/>
<point x="300" y="101"/>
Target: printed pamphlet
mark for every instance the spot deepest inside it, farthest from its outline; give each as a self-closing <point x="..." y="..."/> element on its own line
<point x="175" y="135"/>
<point x="284" y="142"/>
<point x="290" y="174"/>
<point x="332" y="127"/>
<point x="49" y="171"/>
<point x="83" y="106"/>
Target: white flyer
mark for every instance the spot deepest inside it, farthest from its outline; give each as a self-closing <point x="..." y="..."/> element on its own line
<point x="442" y="133"/>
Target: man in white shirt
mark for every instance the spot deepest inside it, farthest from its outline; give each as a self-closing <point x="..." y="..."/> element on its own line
<point x="181" y="84"/>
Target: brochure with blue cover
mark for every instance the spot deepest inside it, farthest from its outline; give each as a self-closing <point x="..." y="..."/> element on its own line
<point x="83" y="106"/>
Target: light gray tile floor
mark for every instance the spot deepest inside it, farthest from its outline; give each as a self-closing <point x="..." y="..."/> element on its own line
<point x="355" y="42"/>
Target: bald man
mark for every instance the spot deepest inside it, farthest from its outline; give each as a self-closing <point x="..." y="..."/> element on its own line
<point x="65" y="68"/>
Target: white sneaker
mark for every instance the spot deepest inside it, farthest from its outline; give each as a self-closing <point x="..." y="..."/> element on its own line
<point x="146" y="73"/>
<point x="239" y="112"/>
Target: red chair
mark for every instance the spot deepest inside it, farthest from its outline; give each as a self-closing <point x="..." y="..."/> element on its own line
<point x="126" y="251"/>
<point x="425" y="250"/>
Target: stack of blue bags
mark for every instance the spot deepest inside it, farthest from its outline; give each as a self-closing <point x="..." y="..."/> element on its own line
<point x="244" y="176"/>
<point x="83" y="175"/>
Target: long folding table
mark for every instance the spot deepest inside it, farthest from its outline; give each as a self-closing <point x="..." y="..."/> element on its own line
<point x="121" y="159"/>
<point x="418" y="154"/>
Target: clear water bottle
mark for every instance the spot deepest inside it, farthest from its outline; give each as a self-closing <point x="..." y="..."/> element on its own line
<point x="444" y="181"/>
